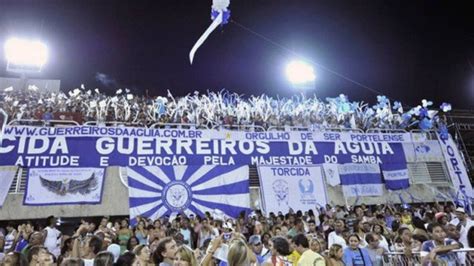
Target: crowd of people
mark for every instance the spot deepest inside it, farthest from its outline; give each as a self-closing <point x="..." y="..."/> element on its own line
<point x="426" y="234"/>
<point x="222" y="108"/>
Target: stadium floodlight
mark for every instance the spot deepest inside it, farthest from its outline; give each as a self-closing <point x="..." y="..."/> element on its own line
<point x="300" y="74"/>
<point x="25" y="56"/>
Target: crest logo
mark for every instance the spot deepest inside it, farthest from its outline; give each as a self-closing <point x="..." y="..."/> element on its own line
<point x="422" y="149"/>
<point x="281" y="190"/>
<point x="177" y="196"/>
<point x="306" y="187"/>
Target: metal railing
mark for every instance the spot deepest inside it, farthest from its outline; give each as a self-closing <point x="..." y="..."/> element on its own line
<point x="40" y="122"/>
<point x="176" y="126"/>
<point x="464" y="256"/>
<point x="114" y="124"/>
<point x="382" y="130"/>
<point x="247" y="128"/>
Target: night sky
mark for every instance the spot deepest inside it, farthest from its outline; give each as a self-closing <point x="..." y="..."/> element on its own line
<point x="407" y="51"/>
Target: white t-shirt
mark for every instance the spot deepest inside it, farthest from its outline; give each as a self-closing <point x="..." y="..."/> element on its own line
<point x="464" y="230"/>
<point x="53" y="241"/>
<point x="88" y="262"/>
<point x="333" y="238"/>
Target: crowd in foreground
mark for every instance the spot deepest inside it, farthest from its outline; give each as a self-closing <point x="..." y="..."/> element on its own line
<point x="428" y="234"/>
<point x="223" y="108"/>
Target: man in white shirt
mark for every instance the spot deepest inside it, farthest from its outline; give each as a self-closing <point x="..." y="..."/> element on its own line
<point x="335" y="237"/>
<point x="463" y="224"/>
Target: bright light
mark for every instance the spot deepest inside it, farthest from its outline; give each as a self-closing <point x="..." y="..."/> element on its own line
<point x="299" y="72"/>
<point x="26" y="53"/>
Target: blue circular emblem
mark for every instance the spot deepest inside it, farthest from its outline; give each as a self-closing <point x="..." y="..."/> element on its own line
<point x="177" y="195"/>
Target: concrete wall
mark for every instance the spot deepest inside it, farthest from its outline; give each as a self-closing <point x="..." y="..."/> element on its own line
<point x="115" y="201"/>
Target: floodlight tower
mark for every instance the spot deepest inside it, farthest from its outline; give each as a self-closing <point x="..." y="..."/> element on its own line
<point x="25" y="56"/>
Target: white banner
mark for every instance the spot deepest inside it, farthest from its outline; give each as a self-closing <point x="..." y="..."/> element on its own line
<point x="427" y="151"/>
<point x="7" y="174"/>
<point x="331" y="171"/>
<point x="456" y="167"/>
<point x="297" y="187"/>
<point x="54" y="186"/>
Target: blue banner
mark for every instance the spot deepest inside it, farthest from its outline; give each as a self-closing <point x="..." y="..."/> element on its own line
<point x="396" y="176"/>
<point x="158" y="191"/>
<point x="139" y="147"/>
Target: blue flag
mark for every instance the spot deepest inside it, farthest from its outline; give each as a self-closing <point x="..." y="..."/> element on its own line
<point x="396" y="175"/>
<point x="157" y="191"/>
<point x="360" y="180"/>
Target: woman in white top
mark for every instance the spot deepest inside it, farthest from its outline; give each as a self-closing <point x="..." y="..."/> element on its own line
<point x="52" y="237"/>
<point x="9" y="238"/>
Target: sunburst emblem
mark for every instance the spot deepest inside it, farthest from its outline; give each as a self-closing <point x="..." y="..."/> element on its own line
<point x="156" y="191"/>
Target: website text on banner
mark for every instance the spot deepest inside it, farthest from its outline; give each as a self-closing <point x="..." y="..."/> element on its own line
<point x="102" y="147"/>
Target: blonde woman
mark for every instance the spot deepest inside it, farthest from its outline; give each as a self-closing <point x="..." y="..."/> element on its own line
<point x="185" y="257"/>
<point x="335" y="255"/>
<point x="238" y="254"/>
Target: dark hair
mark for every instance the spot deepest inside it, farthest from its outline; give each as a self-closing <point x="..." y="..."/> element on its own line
<point x="49" y="220"/>
<point x="311" y="222"/>
<point x="34" y="251"/>
<point x="381" y="228"/>
<point x="157" y="257"/>
<point x="301" y="240"/>
<point x="95" y="243"/>
<point x="281" y="245"/>
<point x="395" y="225"/>
<point x="298" y="221"/>
<point x="369" y="237"/>
<point x="421" y="238"/>
<point x="419" y="224"/>
<point x="104" y="258"/>
<point x="129" y="243"/>
<point x="470" y="237"/>
<point x="266" y="234"/>
<point x="432" y="226"/>
<point x="354" y="235"/>
<point x="401" y="230"/>
<point x="126" y="259"/>
<point x="72" y="262"/>
<point x="65" y="245"/>
<point x="18" y="259"/>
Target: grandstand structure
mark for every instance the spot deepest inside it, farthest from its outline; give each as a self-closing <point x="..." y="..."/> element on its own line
<point x="461" y="125"/>
<point x="425" y="177"/>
